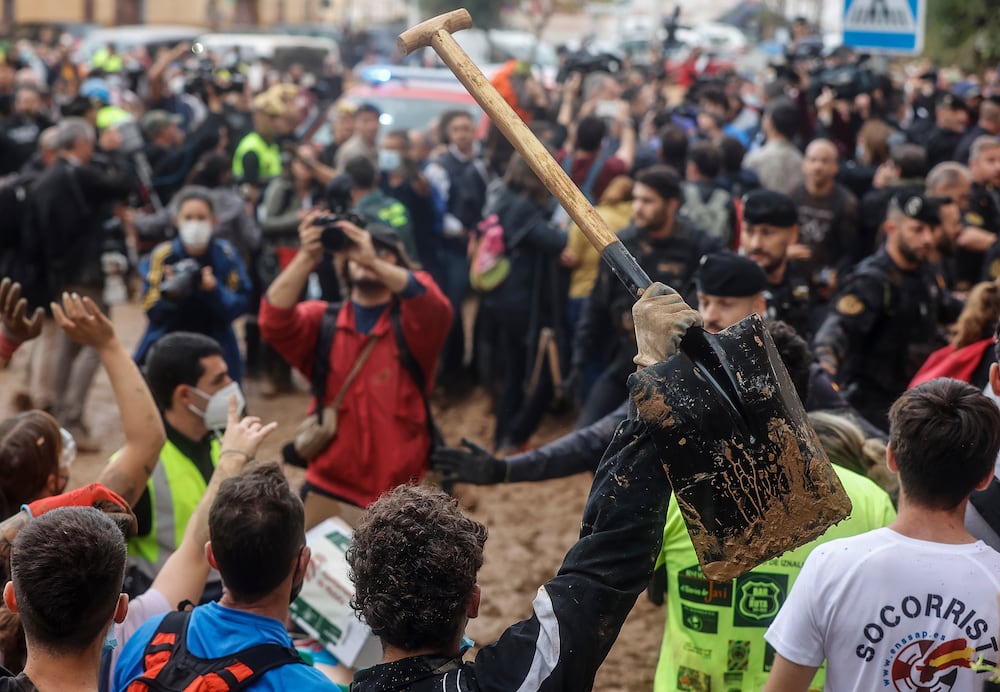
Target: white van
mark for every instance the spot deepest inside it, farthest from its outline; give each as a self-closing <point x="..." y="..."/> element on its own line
<point x="281" y="50"/>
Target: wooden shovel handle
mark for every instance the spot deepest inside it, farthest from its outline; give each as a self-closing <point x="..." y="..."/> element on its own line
<point x="436" y="32"/>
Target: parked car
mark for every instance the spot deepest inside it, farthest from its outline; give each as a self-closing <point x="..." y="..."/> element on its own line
<point x="405" y="105"/>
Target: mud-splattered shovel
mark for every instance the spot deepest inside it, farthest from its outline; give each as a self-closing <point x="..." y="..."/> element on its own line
<point x="747" y="469"/>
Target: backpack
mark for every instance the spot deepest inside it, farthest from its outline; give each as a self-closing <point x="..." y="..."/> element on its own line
<point x="712" y="216"/>
<point x="489" y="263"/>
<point x="168" y="666"/>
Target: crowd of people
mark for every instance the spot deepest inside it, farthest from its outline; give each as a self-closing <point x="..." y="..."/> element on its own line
<point x="856" y="211"/>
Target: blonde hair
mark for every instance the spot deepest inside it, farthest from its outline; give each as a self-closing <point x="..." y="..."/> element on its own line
<point x="618" y="190"/>
<point x="979" y="317"/>
<point x="846" y="445"/>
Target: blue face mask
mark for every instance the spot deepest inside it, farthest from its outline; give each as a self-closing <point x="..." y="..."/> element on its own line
<point x="389" y="160"/>
<point x="465" y="645"/>
<point x="110" y="643"/>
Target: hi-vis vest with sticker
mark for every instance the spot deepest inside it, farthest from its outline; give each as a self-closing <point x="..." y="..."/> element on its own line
<point x="175" y="488"/>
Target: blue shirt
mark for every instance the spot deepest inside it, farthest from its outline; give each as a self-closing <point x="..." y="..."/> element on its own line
<point x="215" y="631"/>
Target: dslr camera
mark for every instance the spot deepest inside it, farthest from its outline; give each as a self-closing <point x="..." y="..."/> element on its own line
<point x="185" y="281"/>
<point x="338" y="203"/>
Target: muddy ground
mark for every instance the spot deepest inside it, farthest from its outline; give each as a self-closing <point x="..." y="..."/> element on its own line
<point x="531" y="524"/>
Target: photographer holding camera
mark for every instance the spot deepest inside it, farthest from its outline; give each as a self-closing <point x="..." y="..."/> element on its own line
<point x="195" y="282"/>
<point x="371" y="360"/>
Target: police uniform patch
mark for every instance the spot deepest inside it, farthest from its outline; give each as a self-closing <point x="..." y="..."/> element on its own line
<point x="974" y="219"/>
<point x="850" y="305"/>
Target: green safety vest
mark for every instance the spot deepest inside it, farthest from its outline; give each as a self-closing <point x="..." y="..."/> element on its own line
<point x="175" y="488"/>
<point x="714" y="633"/>
<point x="112" y="115"/>
<point x="268" y="155"/>
<point x="104" y="60"/>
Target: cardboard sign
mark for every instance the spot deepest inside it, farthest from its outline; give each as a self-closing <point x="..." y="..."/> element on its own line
<point x="323" y="608"/>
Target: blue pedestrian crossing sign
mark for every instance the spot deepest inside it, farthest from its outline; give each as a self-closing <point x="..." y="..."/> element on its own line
<point x="885" y="26"/>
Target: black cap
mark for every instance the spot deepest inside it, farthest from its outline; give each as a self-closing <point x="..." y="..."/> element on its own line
<point x="386" y="236"/>
<point x="918" y="206"/>
<point x="951" y="102"/>
<point x="730" y="275"/>
<point x="770" y="207"/>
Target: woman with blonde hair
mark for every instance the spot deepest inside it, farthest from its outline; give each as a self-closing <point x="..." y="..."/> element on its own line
<point x="969" y="355"/>
<point x="846" y="445"/>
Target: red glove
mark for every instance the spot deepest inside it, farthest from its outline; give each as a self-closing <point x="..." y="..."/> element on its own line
<point x="93" y="495"/>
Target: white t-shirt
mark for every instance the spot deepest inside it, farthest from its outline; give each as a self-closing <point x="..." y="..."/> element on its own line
<point x="894" y="613"/>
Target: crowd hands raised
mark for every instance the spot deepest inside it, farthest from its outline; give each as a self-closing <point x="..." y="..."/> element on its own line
<point x="857" y="216"/>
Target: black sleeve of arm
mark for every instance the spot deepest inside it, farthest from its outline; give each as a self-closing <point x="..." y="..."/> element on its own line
<point x="578" y="614"/>
<point x="576" y="452"/>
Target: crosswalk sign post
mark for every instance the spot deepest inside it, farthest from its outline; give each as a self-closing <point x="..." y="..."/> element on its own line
<point x="885" y="26"/>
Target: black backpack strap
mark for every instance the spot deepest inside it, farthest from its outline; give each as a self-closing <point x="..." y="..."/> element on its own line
<point x="410" y="364"/>
<point x="321" y="356"/>
<point x="245" y="667"/>
<point x="237" y="670"/>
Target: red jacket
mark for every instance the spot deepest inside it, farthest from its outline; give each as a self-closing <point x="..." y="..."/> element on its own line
<point x="382" y="438"/>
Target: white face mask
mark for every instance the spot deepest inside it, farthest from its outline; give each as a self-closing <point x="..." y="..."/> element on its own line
<point x="389" y="160"/>
<point x="68" y="455"/>
<point x="216" y="413"/>
<point x="195" y="234"/>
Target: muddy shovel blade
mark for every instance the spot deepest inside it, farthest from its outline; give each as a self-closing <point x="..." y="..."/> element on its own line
<point x="749" y="473"/>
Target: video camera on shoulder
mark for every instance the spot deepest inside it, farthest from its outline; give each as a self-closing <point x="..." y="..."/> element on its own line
<point x="338" y="203"/>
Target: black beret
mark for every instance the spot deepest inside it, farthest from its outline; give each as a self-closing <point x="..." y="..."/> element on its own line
<point x="919" y="206"/>
<point x="951" y="102"/>
<point x="730" y="275"/>
<point x="770" y="207"/>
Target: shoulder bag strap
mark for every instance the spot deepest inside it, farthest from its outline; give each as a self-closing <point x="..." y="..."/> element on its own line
<point x="355" y="369"/>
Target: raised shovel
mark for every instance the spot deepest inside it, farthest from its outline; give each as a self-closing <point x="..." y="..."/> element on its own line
<point x="750" y="476"/>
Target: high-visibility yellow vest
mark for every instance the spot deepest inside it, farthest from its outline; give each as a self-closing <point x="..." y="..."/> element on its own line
<point x="175" y="488"/>
<point x="112" y="115"/>
<point x="268" y="156"/>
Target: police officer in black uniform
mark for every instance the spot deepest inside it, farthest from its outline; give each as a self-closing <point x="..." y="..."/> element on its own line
<point x="952" y="116"/>
<point x="884" y="322"/>
<point x="984" y="203"/>
<point x="770" y="226"/>
<point x="669" y="248"/>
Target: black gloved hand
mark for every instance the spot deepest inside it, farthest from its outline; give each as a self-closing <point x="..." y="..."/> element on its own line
<point x="470" y="465"/>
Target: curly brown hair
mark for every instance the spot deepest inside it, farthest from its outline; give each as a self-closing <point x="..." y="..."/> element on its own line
<point x="414" y="561"/>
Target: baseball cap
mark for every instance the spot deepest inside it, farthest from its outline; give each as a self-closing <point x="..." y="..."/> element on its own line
<point x="918" y="206"/>
<point x="770" y="207"/>
<point x="155" y="120"/>
<point x="388" y="237"/>
<point x="730" y="275"/>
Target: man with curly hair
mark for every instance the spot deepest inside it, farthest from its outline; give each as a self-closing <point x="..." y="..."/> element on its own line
<point x="415" y="557"/>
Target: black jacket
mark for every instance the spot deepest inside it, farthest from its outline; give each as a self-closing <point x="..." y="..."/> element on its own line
<point x="605" y="331"/>
<point x="883" y="325"/>
<point x="68" y="217"/>
<point x="577" y="614"/>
